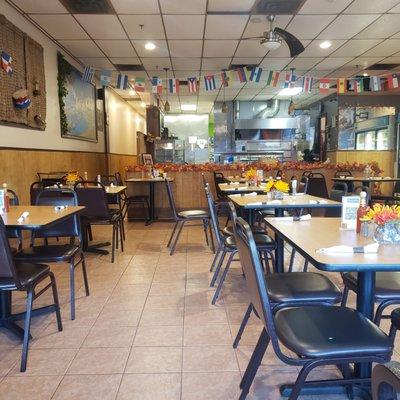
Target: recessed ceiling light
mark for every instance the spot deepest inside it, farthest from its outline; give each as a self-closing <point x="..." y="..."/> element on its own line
<point x="132" y="92"/>
<point x="188" y="107"/>
<point x="143" y="104"/>
<point x="290" y="91"/>
<point x="365" y="74"/>
<point x="149" y="46"/>
<point x="325" y="45"/>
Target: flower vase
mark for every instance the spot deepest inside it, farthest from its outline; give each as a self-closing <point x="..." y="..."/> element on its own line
<point x="276" y="194"/>
<point x="251" y="182"/>
<point x="388" y="233"/>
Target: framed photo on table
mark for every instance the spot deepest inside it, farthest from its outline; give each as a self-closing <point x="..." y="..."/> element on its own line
<point x="147" y="159"/>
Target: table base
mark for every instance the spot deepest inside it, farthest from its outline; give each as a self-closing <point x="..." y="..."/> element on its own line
<point x="96" y="248"/>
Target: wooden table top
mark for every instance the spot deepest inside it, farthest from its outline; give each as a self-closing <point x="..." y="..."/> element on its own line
<point x="226" y="187"/>
<point x="299" y="201"/>
<point x="115" y="189"/>
<point x="309" y="236"/>
<point x="148" y="179"/>
<point x="236" y="178"/>
<point x="361" y="179"/>
<point x="39" y="216"/>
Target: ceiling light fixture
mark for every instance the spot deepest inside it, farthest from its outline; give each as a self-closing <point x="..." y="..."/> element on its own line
<point x="365" y="74"/>
<point x="188" y="107"/>
<point x="150" y="46"/>
<point x="290" y="91"/>
<point x="325" y="45"/>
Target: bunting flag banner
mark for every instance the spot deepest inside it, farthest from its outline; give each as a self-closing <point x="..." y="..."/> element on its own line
<point x="341" y="85"/>
<point x="359" y="85"/>
<point x="231" y="74"/>
<point x="242" y="74"/>
<point x="209" y="82"/>
<point x="375" y="84"/>
<point x="156" y="85"/>
<point x="122" y="82"/>
<point x="273" y="78"/>
<point x="192" y="84"/>
<point x="224" y="79"/>
<point x="324" y="85"/>
<point x="255" y="74"/>
<point x="88" y="74"/>
<point x="290" y="78"/>
<point x="392" y="81"/>
<point x="173" y="85"/>
<point x="105" y="78"/>
<point x="307" y="84"/>
<point x="6" y="61"/>
<point x="140" y="85"/>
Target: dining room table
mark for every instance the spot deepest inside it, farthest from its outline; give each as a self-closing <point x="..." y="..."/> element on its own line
<point x="311" y="238"/>
<point x="29" y="218"/>
<point x="232" y="188"/>
<point x="249" y="204"/>
<point x="366" y="181"/>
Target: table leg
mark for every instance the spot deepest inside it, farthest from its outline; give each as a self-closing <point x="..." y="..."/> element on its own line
<point x="279" y="252"/>
<point x="152" y="206"/>
<point x="92" y="248"/>
<point x="6" y="321"/>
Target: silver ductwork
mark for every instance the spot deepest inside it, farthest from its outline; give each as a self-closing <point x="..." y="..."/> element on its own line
<point x="269" y="123"/>
<point x="266" y="110"/>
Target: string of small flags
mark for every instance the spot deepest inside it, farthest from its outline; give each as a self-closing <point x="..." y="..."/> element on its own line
<point x="212" y="82"/>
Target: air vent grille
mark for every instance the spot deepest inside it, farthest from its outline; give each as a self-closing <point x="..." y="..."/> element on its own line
<point x="382" y="67"/>
<point x="276" y="7"/>
<point x="88" y="6"/>
<point x="129" y="67"/>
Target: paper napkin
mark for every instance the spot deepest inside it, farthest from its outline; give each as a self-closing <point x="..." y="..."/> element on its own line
<point x="305" y="217"/>
<point x="368" y="248"/>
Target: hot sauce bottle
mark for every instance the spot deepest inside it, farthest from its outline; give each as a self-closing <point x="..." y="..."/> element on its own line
<point x="362" y="210"/>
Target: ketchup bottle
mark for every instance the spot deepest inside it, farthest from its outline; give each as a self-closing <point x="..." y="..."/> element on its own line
<point x="362" y="210"/>
<point x="6" y="198"/>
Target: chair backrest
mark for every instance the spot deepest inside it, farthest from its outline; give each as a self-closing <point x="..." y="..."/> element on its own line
<point x="306" y="173"/>
<point x="14" y="201"/>
<point x="339" y="190"/>
<point x="171" y="199"/>
<point x="37" y="187"/>
<point x="107" y="180"/>
<point x="317" y="185"/>
<point x="302" y="187"/>
<point x="69" y="227"/>
<point x="51" y="178"/>
<point x="255" y="277"/>
<point x="93" y="196"/>
<point x="345" y="172"/>
<point x="279" y="174"/>
<point x="219" y="178"/>
<point x="118" y="177"/>
<point x="213" y="214"/>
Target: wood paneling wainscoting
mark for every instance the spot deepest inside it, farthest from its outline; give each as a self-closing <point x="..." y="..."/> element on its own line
<point x="119" y="162"/>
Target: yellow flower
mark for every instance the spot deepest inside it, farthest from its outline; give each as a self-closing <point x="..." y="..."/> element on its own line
<point x="269" y="185"/>
<point x="250" y="174"/>
<point x="282" y="186"/>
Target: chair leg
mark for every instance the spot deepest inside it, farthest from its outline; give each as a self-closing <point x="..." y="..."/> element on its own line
<point x="121" y="229"/>
<point x="148" y="210"/>
<point x="27" y="328"/>
<point x="113" y="244"/>
<point x="222" y="279"/>
<point x="291" y="262"/>
<point x="392" y="333"/>
<point x="215" y="276"/>
<point x="172" y="234"/>
<point x="242" y="326"/>
<point x="305" y="266"/>
<point x="176" y="238"/>
<point x="205" y="227"/>
<point x="215" y="259"/>
<point x="90" y="233"/>
<point x="85" y="278"/>
<point x="211" y="237"/>
<point x="72" y="287"/>
<point x="56" y="301"/>
<point x="345" y="296"/>
<point x="116" y="235"/>
<point x="301" y="378"/>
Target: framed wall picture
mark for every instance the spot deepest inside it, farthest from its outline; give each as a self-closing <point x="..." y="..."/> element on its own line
<point x="147" y="159"/>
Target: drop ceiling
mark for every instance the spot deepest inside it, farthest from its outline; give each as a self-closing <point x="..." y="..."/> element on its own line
<point x="198" y="37"/>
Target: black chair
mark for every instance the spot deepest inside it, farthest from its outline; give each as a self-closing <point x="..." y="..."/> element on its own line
<point x="52" y="178"/>
<point x="226" y="245"/>
<point x="279" y="174"/>
<point x="218" y="179"/>
<point x="339" y="189"/>
<point x="317" y="185"/>
<point x="345" y="173"/>
<point x="93" y="196"/>
<point x="70" y="228"/>
<point x="14" y="233"/>
<point x="182" y="217"/>
<point x="393" y="199"/>
<point x="290" y="289"/>
<point x="25" y="276"/>
<point x="386" y="381"/>
<point x="315" y="335"/>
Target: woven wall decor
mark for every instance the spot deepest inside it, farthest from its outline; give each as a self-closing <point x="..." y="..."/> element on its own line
<point x="28" y="73"/>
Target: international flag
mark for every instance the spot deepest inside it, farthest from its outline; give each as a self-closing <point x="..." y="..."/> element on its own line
<point x="307" y="84"/>
<point x="88" y="74"/>
<point x="359" y="85"/>
<point x="255" y="74"/>
<point x="225" y="78"/>
<point x="392" y="81"/>
<point x="122" y="82"/>
<point x="242" y="74"/>
<point x="273" y="78"/>
<point x="209" y="82"/>
<point x="105" y="78"/>
<point x="156" y="85"/>
<point x="289" y="79"/>
<point x="173" y="85"/>
<point x="324" y="85"/>
<point x="139" y="85"/>
<point x="341" y="85"/>
<point x="192" y="84"/>
<point x="375" y="84"/>
<point x="6" y="61"/>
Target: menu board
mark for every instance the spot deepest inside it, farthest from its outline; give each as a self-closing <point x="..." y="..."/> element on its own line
<point x="350" y="205"/>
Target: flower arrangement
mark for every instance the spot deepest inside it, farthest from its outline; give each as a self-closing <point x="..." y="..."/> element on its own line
<point x="72" y="177"/>
<point x="279" y="185"/>
<point x="251" y="174"/>
<point x="380" y="214"/>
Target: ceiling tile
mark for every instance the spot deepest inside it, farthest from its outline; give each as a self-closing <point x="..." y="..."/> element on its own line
<point x="183" y="7"/>
<point x="101" y="26"/>
<point x="314" y="50"/>
<point x="60" y="26"/>
<point x="152" y="26"/>
<point x="258" y="24"/>
<point x="383" y="27"/>
<point x="250" y="48"/>
<point x="184" y="27"/>
<point x="82" y="48"/>
<point x="346" y="26"/>
<point x="135" y="7"/>
<point x="247" y="60"/>
<point x="370" y="7"/>
<point x="385" y="48"/>
<point x="125" y="60"/>
<point x="363" y="62"/>
<point x="97" y="62"/>
<point x="185" y="48"/>
<point x="308" y="26"/>
<point x="324" y="6"/>
<point x="40" y="6"/>
<point x="284" y="51"/>
<point x="275" y="63"/>
<point x="305" y="63"/>
<point x="355" y="48"/>
<point x="161" y="49"/>
<point x="395" y="9"/>
<point x="186" y="63"/>
<point x="230" y="5"/>
<point x="343" y="73"/>
<point x="389" y="60"/>
<point x="332" y="63"/>
<point x="219" y="48"/>
<point x="117" y="48"/>
<point x="215" y="64"/>
<point x="225" y="26"/>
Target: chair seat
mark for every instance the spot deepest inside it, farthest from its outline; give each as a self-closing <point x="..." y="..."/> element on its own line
<point x="193" y="214"/>
<point x="395" y="317"/>
<point x="228" y="230"/>
<point x="263" y="242"/>
<point x="51" y="253"/>
<point x="302" y="287"/>
<point x="387" y="284"/>
<point x="330" y="332"/>
<point x="27" y="273"/>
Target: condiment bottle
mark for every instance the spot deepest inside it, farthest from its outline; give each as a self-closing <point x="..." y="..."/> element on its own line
<point x="98" y="179"/>
<point x="85" y="178"/>
<point x="6" y="198"/>
<point x="362" y="210"/>
<point x="294" y="187"/>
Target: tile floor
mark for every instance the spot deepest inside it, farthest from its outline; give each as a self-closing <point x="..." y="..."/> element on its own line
<point x="146" y="332"/>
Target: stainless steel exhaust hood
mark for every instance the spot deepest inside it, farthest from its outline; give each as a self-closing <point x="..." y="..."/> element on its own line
<point x="269" y="123"/>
